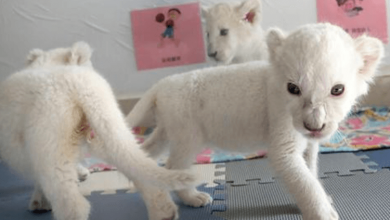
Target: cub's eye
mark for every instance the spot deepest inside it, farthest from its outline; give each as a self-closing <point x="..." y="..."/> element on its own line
<point x="293" y="89"/>
<point x="224" y="32"/>
<point x="337" y="90"/>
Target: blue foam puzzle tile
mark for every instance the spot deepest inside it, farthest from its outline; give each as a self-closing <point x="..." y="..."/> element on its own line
<point x="122" y="205"/>
<point x="376" y="159"/>
<point x="15" y="194"/>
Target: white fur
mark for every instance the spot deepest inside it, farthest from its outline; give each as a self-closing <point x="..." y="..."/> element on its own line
<point x="245" y="40"/>
<point x="48" y="109"/>
<point x="238" y="107"/>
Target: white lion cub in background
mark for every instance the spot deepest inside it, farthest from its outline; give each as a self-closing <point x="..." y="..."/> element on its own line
<point x="314" y="76"/>
<point x="234" y="33"/>
<point x="48" y="109"/>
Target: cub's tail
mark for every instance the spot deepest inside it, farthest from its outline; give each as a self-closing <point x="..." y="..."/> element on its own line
<point x="143" y="112"/>
<point x="114" y="141"/>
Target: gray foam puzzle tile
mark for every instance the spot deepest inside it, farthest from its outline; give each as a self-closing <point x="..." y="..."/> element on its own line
<point x="342" y="163"/>
<point x="239" y="172"/>
<point x="256" y="201"/>
<point x="360" y="196"/>
<point x="208" y="173"/>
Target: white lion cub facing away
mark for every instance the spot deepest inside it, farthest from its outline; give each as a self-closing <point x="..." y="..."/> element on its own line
<point x="314" y="76"/>
<point x="234" y="33"/>
<point x="48" y="109"/>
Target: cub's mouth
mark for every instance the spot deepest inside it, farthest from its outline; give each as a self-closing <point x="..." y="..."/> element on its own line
<point x="313" y="132"/>
<point x="322" y="134"/>
<point x="315" y="135"/>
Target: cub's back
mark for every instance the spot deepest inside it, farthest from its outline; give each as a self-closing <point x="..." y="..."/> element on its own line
<point x="231" y="98"/>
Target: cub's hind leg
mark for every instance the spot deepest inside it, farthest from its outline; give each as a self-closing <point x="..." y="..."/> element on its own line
<point x="54" y="160"/>
<point x="156" y="144"/>
<point x="38" y="201"/>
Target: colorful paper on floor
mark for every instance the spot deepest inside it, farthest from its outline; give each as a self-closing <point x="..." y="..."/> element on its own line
<point x="366" y="128"/>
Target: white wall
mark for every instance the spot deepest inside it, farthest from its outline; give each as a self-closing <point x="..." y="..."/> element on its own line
<point x="105" y="25"/>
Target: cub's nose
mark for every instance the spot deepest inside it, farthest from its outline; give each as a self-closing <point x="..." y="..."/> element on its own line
<point x="312" y="129"/>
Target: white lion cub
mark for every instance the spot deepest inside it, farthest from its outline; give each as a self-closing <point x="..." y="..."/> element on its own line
<point x="313" y="78"/>
<point x="234" y="33"/>
<point x="48" y="109"/>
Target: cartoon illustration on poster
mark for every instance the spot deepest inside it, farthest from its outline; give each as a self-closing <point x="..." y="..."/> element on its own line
<point x="356" y="16"/>
<point x="350" y="7"/>
<point x="172" y="16"/>
<point x="168" y="36"/>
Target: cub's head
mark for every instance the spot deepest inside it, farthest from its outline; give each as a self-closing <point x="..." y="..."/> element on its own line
<point x="321" y="71"/>
<point x="79" y="54"/>
<point x="228" y="26"/>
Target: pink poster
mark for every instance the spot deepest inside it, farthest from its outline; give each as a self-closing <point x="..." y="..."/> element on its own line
<point x="168" y="36"/>
<point x="356" y="16"/>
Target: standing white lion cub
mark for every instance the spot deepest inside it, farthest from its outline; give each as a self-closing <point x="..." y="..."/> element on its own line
<point x="234" y="32"/>
<point x="48" y="109"/>
<point x="314" y="77"/>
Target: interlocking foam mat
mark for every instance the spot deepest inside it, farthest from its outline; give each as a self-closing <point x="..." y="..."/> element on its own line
<point x="376" y="159"/>
<point x="122" y="205"/>
<point x="15" y="195"/>
<point x="357" y="197"/>
<point x="242" y="190"/>
<point x="344" y="164"/>
<point x="358" y="189"/>
<point x="239" y="172"/>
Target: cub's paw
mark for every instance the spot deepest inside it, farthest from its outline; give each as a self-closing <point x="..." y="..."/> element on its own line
<point x="330" y="199"/>
<point x="182" y="179"/>
<point x="333" y="214"/>
<point x="82" y="172"/>
<point x="39" y="203"/>
<point x="194" y="198"/>
<point x="163" y="208"/>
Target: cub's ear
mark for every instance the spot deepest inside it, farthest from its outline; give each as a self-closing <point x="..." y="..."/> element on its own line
<point x="250" y="11"/>
<point x="371" y="50"/>
<point x="275" y="38"/>
<point x="34" y="55"/>
<point x="80" y="53"/>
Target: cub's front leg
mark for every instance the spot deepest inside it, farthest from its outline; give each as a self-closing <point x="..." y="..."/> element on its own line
<point x="287" y="158"/>
<point x="158" y="202"/>
<point x="311" y="157"/>
<point x="191" y="196"/>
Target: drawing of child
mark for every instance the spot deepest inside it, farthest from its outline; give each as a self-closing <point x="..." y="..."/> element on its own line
<point x="173" y="15"/>
<point x="350" y="7"/>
